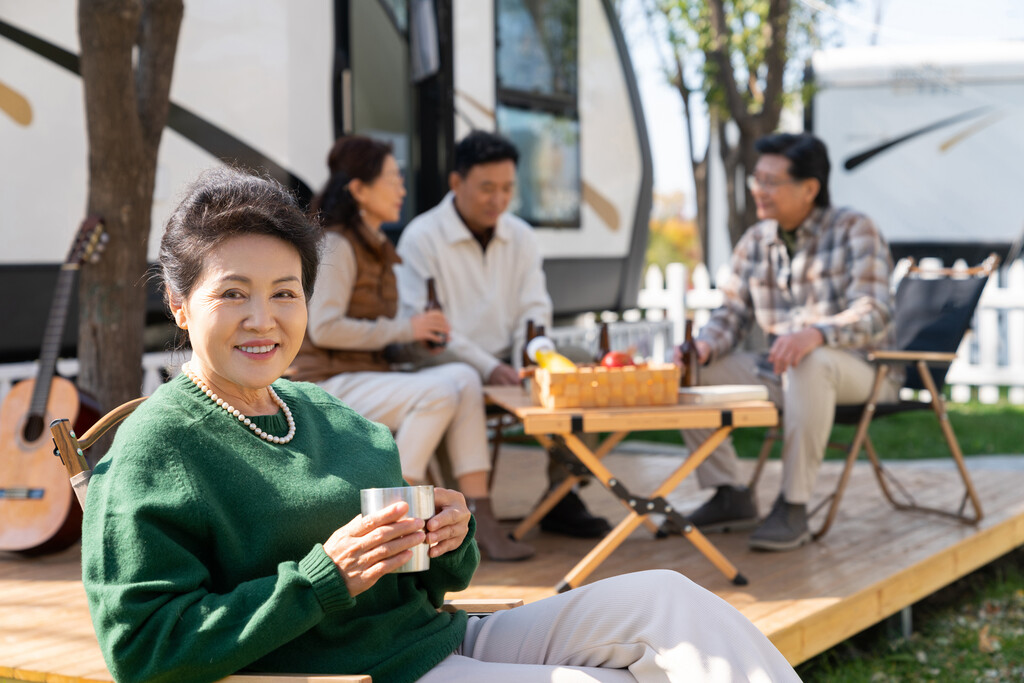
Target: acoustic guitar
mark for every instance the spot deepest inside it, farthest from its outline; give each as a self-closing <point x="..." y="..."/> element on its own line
<point x="38" y="510"/>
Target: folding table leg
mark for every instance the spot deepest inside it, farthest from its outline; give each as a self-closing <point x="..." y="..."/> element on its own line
<point x="600" y="552"/>
<point x="562" y="490"/>
<point x="656" y="503"/>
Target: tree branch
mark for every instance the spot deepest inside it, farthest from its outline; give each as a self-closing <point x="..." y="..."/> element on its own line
<point x="718" y="53"/>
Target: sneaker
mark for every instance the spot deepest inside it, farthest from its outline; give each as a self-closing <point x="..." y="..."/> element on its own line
<point x="785" y="527"/>
<point x="571" y="518"/>
<point x="732" y="508"/>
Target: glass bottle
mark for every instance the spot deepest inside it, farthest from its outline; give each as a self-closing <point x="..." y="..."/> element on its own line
<point x="690" y="376"/>
<point x="604" y="345"/>
<point x="531" y="332"/>
<point x="433" y="304"/>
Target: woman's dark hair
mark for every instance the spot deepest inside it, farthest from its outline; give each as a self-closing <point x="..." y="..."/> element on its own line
<point x="224" y="203"/>
<point x="808" y="158"/>
<point x="354" y="157"/>
<point x="481" y="147"/>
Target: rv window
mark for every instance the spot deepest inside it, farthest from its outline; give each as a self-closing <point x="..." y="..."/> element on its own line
<point x="537" y="47"/>
<point x="548" y="187"/>
<point x="398" y="11"/>
<point x="537" y="62"/>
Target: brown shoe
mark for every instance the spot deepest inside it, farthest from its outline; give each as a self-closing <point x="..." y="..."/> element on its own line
<point x="495" y="544"/>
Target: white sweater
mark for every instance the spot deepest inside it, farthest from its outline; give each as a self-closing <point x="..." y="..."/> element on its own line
<point x="487" y="296"/>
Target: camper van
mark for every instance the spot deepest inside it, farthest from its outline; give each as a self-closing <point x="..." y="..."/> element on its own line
<point x="928" y="140"/>
<point x="270" y="84"/>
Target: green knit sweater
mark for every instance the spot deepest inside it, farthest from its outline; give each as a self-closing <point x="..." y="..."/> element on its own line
<point x="202" y="555"/>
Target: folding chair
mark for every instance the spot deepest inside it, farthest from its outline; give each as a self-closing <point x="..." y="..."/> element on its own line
<point x="934" y="308"/>
<point x="71" y="449"/>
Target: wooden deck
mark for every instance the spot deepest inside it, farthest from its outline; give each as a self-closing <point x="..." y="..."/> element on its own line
<point x="874" y="562"/>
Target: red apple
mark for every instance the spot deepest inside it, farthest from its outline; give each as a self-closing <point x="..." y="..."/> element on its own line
<point x="616" y="359"/>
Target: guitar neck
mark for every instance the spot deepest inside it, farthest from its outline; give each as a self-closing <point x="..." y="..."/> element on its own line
<point x="52" y="339"/>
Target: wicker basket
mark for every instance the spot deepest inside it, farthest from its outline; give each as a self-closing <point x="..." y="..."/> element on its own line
<point x="601" y="387"/>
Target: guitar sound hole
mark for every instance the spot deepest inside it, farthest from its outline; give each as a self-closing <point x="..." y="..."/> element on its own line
<point x="33" y="428"/>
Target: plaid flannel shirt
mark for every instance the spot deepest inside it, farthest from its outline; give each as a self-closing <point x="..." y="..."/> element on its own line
<point x="837" y="281"/>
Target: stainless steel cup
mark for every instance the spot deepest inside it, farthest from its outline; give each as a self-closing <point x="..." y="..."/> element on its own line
<point x="421" y="506"/>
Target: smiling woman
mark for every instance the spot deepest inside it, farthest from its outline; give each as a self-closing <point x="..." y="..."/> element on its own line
<point x="246" y="316"/>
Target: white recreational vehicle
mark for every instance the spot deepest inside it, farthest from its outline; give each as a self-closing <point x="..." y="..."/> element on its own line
<point x="272" y="83"/>
<point x="928" y="140"/>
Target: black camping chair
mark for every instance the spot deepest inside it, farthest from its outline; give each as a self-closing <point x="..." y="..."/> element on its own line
<point x="934" y="309"/>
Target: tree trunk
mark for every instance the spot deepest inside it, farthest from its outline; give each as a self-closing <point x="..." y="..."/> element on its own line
<point x="126" y="103"/>
<point x="700" y="189"/>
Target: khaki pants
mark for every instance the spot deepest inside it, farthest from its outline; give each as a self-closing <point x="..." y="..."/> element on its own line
<point x="807" y="398"/>
<point x="654" y="626"/>
<point x="420" y="408"/>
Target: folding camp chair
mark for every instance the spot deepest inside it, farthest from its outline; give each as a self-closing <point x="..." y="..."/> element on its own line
<point x="934" y="308"/>
<point x="71" y="451"/>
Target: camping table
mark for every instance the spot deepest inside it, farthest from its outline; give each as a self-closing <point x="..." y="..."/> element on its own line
<point x="566" y="424"/>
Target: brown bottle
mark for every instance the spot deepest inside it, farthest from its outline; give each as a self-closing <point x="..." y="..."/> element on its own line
<point x="531" y="332"/>
<point x="604" y="344"/>
<point x="691" y="359"/>
<point x="434" y="305"/>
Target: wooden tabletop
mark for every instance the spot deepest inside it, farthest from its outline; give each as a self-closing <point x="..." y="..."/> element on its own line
<point x="540" y="420"/>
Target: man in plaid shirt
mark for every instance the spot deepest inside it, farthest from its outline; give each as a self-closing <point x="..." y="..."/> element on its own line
<point x="815" y="278"/>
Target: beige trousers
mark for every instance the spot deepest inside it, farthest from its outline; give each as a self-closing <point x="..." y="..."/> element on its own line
<point x="654" y="626"/>
<point x="421" y="408"/>
<point x="806" y="397"/>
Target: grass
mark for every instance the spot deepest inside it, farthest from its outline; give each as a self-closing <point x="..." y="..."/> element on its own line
<point x="981" y="429"/>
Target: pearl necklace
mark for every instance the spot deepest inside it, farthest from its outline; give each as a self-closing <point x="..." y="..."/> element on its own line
<point x="231" y="410"/>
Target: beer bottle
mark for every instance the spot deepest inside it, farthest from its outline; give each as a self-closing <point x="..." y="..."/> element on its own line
<point x="434" y="305"/>
<point x="604" y="344"/>
<point x="531" y="332"/>
<point x="691" y="359"/>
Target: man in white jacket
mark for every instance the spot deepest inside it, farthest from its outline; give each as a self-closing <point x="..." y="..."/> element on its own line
<point x="488" y="273"/>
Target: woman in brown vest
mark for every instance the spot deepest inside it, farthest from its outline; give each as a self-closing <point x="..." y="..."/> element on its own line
<point x="353" y="321"/>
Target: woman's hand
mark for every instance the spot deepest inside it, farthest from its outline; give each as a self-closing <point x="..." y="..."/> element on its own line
<point x="369" y="547"/>
<point x="447" y="529"/>
<point x="430" y="326"/>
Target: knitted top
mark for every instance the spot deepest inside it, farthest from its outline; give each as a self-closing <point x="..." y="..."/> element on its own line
<point x="202" y="547"/>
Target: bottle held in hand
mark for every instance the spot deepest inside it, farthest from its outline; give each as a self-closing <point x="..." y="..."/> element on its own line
<point x="690" y="376"/>
<point x="541" y="351"/>
<point x="433" y="304"/>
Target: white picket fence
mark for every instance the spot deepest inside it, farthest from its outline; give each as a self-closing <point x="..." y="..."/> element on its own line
<point x="990" y="358"/>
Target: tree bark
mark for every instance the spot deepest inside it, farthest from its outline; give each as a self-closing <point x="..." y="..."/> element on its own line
<point x="126" y="104"/>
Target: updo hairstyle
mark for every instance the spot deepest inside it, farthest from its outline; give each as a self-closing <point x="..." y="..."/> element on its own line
<point x="224" y="203"/>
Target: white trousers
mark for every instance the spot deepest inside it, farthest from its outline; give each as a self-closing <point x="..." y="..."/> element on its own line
<point x="652" y="626"/>
<point x="420" y="408"/>
<point x="807" y="398"/>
